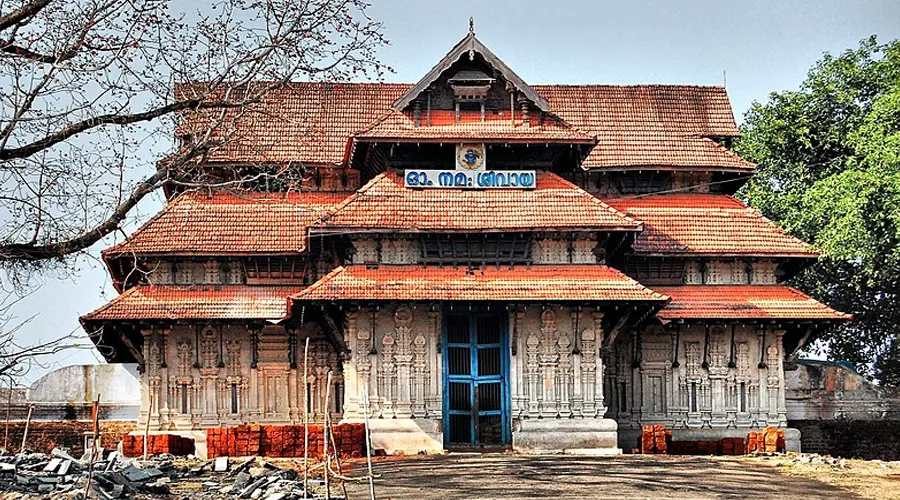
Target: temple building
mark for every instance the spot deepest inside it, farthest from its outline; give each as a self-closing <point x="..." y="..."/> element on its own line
<point x="478" y="262"/>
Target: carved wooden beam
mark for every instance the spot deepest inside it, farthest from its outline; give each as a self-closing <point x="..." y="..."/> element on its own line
<point x="138" y="355"/>
<point x="614" y="332"/>
<point x="336" y="334"/>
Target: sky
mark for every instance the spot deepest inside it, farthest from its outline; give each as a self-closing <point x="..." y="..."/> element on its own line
<point x="754" y="47"/>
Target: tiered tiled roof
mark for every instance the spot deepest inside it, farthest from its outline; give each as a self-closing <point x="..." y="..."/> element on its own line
<point x="595" y="283"/>
<point x="173" y="302"/>
<point x="649" y="125"/>
<point x="555" y="203"/>
<point x="743" y="302"/>
<point x="226" y="223"/>
<point x="301" y="122"/>
<point x="653" y="126"/>
<point x="707" y="224"/>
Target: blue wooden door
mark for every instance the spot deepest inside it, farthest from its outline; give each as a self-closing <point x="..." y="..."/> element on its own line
<point x="476" y="374"/>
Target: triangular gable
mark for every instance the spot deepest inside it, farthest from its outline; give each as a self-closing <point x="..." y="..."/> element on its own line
<point x="468" y="46"/>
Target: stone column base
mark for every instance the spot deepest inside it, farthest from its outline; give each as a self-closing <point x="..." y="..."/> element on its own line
<point x="408" y="436"/>
<point x="576" y="436"/>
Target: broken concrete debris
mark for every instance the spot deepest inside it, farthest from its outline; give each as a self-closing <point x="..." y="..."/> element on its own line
<point x="59" y="476"/>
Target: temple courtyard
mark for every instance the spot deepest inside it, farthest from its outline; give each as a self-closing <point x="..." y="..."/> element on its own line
<point x="506" y="476"/>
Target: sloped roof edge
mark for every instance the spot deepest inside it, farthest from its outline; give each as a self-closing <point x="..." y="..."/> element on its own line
<point x="470" y="43"/>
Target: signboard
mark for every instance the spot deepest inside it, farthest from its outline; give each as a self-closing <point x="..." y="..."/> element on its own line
<point x="470" y="179"/>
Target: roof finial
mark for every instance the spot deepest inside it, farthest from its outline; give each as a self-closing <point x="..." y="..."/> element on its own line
<point x="472" y="25"/>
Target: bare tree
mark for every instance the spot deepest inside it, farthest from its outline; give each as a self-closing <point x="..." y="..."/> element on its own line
<point x="17" y="358"/>
<point x="92" y="92"/>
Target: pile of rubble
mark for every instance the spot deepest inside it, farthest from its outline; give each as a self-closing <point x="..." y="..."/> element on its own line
<point x="59" y="476"/>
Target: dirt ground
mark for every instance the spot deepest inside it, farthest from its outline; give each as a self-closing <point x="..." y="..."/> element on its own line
<point x="866" y="478"/>
<point x="507" y="476"/>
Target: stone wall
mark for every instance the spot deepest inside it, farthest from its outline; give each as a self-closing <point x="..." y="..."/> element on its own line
<point x="44" y="436"/>
<point x="840" y="413"/>
<point x="867" y="439"/>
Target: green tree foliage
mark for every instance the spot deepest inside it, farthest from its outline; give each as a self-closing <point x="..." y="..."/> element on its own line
<point x="829" y="172"/>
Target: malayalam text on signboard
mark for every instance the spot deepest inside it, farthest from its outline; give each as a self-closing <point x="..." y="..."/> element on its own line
<point x="477" y="179"/>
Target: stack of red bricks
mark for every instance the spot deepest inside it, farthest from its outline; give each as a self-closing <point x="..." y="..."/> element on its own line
<point x="655" y="439"/>
<point x="133" y="445"/>
<point x="769" y="440"/>
<point x="283" y="440"/>
<point x="724" y="446"/>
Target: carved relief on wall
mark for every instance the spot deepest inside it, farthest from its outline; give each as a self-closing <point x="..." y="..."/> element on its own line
<point x="583" y="252"/>
<point x="692" y="355"/>
<point x="773" y="367"/>
<point x="184" y="358"/>
<point x="209" y="349"/>
<point x="365" y="250"/>
<point x="551" y="251"/>
<point x="718" y="352"/>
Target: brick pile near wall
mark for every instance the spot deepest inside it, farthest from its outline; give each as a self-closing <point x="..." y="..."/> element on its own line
<point x="44" y="436"/>
<point x="656" y="439"/>
<point x="133" y="445"/>
<point x="867" y="439"/>
<point x="282" y="440"/>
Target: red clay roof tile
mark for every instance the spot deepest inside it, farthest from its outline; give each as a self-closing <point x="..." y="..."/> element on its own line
<point x="555" y="203"/>
<point x="587" y="282"/>
<point x="397" y="126"/>
<point x="634" y="125"/>
<point x="225" y="223"/>
<point x="709" y="224"/>
<point x="171" y="302"/>
<point x="735" y="302"/>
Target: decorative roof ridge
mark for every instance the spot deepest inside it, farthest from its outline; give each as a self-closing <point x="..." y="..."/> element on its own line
<point x="471" y="44"/>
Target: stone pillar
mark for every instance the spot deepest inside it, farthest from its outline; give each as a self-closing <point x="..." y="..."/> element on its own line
<point x="352" y="378"/>
<point x="434" y="397"/>
<point x="403" y="359"/>
<point x="165" y="412"/>
<point x="549" y="363"/>
<point x="782" y="409"/>
<point x="599" y="408"/>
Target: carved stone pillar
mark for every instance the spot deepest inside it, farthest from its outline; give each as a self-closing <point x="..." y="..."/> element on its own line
<point x="435" y="392"/>
<point x="533" y="365"/>
<point x="780" y="402"/>
<point x="403" y="360"/>
<point x="352" y="375"/>
<point x="165" y="392"/>
<point x="718" y="372"/>
<point x="591" y="385"/>
<point x="599" y="367"/>
<point x="386" y="376"/>
<point x="517" y="382"/>
<point x="564" y="372"/>
<point x="420" y="375"/>
<point x="549" y="359"/>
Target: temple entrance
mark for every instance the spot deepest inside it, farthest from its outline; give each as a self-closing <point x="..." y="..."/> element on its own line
<point x="476" y="378"/>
